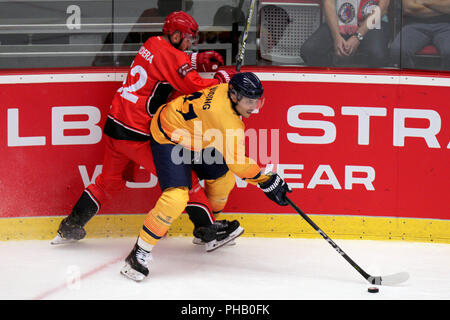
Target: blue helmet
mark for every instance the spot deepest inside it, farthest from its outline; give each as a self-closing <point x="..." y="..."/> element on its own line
<point x="246" y="84"/>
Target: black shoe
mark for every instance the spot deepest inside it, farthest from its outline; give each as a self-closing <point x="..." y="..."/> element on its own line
<point x="68" y="232"/>
<point x="136" y="264"/>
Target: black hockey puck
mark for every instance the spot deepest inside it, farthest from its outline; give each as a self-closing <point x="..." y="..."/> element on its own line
<point x="373" y="290"/>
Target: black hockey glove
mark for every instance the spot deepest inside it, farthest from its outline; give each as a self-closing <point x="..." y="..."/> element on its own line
<point x="275" y="189"/>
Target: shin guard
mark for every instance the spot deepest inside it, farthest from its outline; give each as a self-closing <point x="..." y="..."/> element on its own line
<point x="168" y="208"/>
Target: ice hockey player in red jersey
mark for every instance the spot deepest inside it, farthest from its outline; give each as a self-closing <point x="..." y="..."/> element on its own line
<point x="160" y="68"/>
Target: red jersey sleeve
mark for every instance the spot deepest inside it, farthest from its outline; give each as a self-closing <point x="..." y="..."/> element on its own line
<point x="175" y="67"/>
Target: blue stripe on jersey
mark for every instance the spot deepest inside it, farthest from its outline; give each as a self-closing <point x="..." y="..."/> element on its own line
<point x="150" y="233"/>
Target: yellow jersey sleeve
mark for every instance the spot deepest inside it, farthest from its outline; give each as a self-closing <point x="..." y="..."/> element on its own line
<point x="224" y="120"/>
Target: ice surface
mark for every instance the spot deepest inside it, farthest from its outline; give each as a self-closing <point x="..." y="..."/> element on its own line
<point x="254" y="269"/>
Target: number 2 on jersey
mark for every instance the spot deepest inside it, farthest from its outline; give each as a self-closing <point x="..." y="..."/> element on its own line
<point x="127" y="92"/>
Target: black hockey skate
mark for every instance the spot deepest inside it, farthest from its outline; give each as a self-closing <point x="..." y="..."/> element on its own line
<point x="68" y="232"/>
<point x="221" y="233"/>
<point x="136" y="264"/>
<point x="71" y="228"/>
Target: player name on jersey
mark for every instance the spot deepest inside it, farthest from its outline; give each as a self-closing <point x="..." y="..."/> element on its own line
<point x="147" y="55"/>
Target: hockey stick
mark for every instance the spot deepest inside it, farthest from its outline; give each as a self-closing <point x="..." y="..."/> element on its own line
<point x="378" y="280"/>
<point x="240" y="57"/>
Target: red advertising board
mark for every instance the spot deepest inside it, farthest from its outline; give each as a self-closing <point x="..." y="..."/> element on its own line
<point x="348" y="143"/>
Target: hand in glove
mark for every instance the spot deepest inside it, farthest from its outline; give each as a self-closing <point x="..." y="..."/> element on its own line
<point x="208" y="61"/>
<point x="275" y="189"/>
<point x="225" y="74"/>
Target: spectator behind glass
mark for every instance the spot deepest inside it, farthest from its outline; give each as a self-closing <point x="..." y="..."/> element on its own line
<point x="226" y="16"/>
<point x="351" y="26"/>
<point x="155" y="15"/>
<point x="137" y="37"/>
<point x="425" y="22"/>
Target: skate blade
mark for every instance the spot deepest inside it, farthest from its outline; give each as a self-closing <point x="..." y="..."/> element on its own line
<point x="58" y="240"/>
<point x="200" y="242"/>
<point x="132" y="274"/>
<point x="213" y="245"/>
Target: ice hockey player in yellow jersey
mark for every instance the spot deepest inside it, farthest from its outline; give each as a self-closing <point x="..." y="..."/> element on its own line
<point x="203" y="132"/>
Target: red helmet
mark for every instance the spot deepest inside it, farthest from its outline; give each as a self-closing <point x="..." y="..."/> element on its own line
<point x="180" y="21"/>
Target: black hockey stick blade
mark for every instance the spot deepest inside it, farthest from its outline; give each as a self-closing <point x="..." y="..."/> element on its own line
<point x="392" y="279"/>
